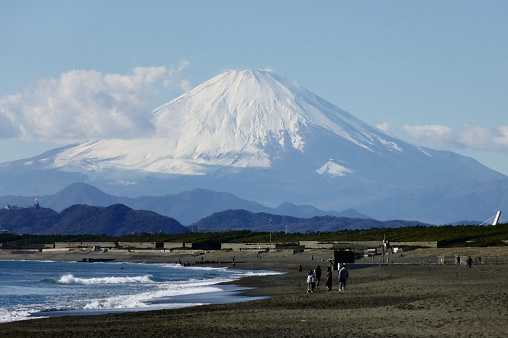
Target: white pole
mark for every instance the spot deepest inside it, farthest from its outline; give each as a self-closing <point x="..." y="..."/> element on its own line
<point x="497" y="217"/>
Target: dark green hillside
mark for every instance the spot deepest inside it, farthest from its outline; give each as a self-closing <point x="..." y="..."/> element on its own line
<point x="241" y="219"/>
<point x="115" y="220"/>
<point x="27" y="220"/>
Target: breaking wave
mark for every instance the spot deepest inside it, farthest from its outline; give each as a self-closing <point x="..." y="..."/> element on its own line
<point x="69" y="279"/>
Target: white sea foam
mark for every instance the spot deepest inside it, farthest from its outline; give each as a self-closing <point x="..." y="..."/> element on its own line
<point x="143" y="299"/>
<point x="163" y="290"/>
<point x="10" y="314"/>
<point x="172" y="289"/>
<point x="70" y="279"/>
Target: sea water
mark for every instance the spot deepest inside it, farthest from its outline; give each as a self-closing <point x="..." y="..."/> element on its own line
<point x="32" y="289"/>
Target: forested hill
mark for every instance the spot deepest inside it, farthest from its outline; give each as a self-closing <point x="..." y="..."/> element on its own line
<point x="120" y="220"/>
<point x="245" y="220"/>
<point x="114" y="220"/>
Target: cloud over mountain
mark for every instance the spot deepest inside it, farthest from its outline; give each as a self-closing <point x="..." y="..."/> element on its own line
<point x="474" y="137"/>
<point x="81" y="105"/>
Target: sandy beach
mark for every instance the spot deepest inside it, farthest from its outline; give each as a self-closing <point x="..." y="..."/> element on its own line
<point x="413" y="296"/>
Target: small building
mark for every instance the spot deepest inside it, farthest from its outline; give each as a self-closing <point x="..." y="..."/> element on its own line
<point x="176" y="245"/>
<point x="138" y="245"/>
<point x="84" y="245"/>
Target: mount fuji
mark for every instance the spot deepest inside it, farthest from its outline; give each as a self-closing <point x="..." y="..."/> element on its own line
<point x="263" y="137"/>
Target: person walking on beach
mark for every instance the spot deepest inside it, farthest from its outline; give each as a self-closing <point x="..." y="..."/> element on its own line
<point x="329" y="278"/>
<point x="310" y="281"/>
<point x="343" y="276"/>
<point x="318" y="273"/>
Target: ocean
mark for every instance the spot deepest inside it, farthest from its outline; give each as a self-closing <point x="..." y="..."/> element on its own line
<point x="34" y="289"/>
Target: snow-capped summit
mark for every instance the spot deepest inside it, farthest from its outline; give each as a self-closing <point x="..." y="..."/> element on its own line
<point x="262" y="137"/>
<point x="241" y="108"/>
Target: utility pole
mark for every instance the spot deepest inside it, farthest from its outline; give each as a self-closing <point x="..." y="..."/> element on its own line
<point x="270" y="223"/>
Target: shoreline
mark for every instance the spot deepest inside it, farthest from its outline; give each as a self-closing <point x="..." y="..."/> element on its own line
<point x="228" y="291"/>
<point x="398" y="300"/>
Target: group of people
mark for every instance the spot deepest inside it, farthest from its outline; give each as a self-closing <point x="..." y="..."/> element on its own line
<point x="314" y="276"/>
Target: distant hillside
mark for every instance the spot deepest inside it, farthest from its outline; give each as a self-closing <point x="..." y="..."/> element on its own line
<point x="244" y="220"/>
<point x="114" y="220"/>
<point x="187" y="207"/>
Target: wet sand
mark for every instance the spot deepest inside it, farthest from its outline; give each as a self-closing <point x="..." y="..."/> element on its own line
<point x="416" y="299"/>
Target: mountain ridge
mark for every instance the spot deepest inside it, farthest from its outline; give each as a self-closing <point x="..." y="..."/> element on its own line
<point x="187" y="207"/>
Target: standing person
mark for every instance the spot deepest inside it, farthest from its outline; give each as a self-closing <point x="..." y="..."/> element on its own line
<point x="343" y="276"/>
<point x="299" y="267"/>
<point x="313" y="279"/>
<point x="469" y="261"/>
<point x="310" y="281"/>
<point x="329" y="278"/>
<point x="318" y="275"/>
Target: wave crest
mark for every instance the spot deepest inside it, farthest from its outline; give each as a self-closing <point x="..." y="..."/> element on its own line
<point x="69" y="279"/>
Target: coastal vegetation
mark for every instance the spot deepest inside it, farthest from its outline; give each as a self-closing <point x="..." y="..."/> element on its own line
<point x="446" y="236"/>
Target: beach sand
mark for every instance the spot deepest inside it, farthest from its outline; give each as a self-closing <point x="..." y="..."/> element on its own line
<point x="411" y="297"/>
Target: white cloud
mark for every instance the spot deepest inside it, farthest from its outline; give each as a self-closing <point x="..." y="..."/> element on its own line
<point x="10" y="127"/>
<point x="384" y="127"/>
<point x="83" y="104"/>
<point x="484" y="138"/>
<point x="478" y="138"/>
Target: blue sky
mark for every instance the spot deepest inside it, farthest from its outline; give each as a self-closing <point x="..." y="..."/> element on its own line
<point x="432" y="73"/>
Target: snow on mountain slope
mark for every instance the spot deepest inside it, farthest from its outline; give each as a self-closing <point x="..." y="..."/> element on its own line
<point x="239" y="118"/>
<point x="240" y="109"/>
<point x="333" y="169"/>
